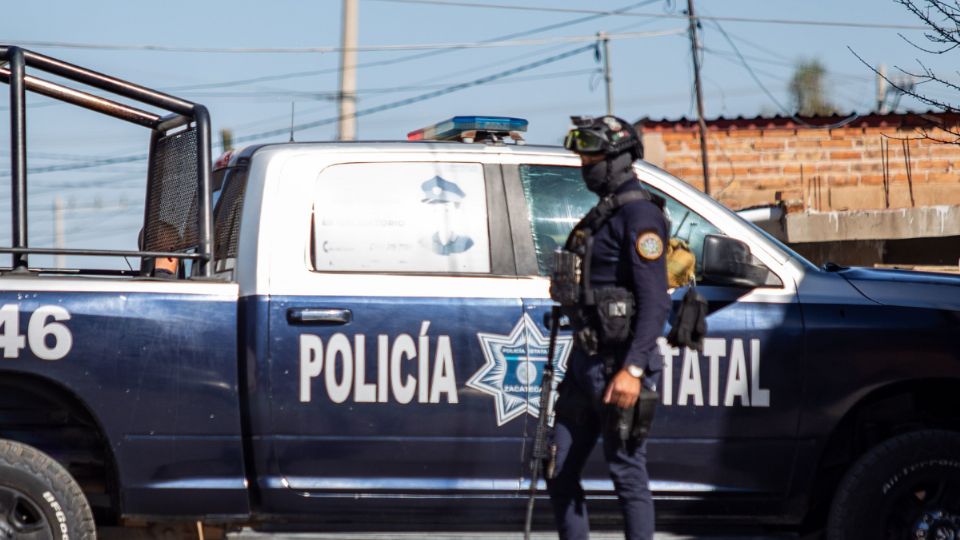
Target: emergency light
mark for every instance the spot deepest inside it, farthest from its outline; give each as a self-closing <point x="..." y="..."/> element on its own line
<point x="472" y="128"/>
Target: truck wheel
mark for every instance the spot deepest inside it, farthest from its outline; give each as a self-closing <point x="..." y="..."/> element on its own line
<point x="906" y="487"/>
<point x="39" y="500"/>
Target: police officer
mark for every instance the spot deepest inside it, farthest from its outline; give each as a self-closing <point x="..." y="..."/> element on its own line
<point x="618" y="310"/>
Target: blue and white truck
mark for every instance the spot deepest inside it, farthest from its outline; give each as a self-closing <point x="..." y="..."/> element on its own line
<point x="355" y="335"/>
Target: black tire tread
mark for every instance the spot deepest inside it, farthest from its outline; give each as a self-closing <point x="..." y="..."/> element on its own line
<point x="43" y="467"/>
<point x="916" y="443"/>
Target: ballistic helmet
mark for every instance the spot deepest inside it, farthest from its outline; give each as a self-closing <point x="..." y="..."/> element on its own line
<point x="606" y="135"/>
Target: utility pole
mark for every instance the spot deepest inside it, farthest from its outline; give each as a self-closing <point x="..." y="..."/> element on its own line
<point x="882" y="89"/>
<point x="607" y="78"/>
<point x="226" y="139"/>
<point x="694" y="45"/>
<point x="58" y="233"/>
<point x="348" y="73"/>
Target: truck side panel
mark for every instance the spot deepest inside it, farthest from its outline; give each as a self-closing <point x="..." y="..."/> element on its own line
<point x="156" y="365"/>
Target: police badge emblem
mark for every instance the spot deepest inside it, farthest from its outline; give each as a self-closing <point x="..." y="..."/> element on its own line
<point x="514" y="368"/>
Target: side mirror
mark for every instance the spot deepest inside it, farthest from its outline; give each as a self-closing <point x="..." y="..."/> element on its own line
<point x="727" y="261"/>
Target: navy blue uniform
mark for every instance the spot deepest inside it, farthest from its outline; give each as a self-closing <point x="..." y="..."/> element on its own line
<point x="628" y="252"/>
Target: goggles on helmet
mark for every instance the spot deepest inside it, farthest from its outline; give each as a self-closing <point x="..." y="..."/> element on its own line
<point x="585" y="141"/>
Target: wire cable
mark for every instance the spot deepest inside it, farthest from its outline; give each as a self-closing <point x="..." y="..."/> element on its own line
<point x="800" y="22"/>
<point x="770" y="95"/>
<point x="365" y="48"/>
<point x="408" y="58"/>
<point x="330" y="120"/>
<point x="418" y="98"/>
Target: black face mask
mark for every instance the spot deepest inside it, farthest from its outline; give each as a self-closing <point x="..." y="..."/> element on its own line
<point x="604" y="177"/>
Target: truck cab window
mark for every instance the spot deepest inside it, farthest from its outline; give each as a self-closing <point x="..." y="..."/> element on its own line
<point x="228" y="205"/>
<point x="401" y="217"/>
<point x="557" y="198"/>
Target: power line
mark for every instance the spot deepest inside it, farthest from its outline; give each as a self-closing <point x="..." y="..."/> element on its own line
<point x="727" y="55"/>
<point x="408" y="58"/>
<point x="421" y="97"/>
<point x="417" y="56"/>
<point x="770" y="95"/>
<point x="365" y="48"/>
<point x="799" y="22"/>
<point x="87" y="165"/>
<point x="325" y="121"/>
<point x="387" y="90"/>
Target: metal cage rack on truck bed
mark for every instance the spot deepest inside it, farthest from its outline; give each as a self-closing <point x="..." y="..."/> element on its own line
<point x="178" y="218"/>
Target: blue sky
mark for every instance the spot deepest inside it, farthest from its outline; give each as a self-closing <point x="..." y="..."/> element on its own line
<point x="652" y="76"/>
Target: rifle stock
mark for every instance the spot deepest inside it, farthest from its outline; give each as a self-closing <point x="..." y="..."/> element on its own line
<point x="540" y="451"/>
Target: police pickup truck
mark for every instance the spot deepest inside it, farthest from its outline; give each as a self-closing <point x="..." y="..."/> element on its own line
<point x="356" y="335"/>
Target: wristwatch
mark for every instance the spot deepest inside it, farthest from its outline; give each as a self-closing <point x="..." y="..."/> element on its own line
<point x="635" y="371"/>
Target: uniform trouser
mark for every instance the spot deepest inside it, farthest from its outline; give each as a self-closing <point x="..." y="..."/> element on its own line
<point x="578" y="424"/>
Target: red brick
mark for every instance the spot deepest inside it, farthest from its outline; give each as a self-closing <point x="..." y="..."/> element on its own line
<point x="846" y="155"/>
<point x="744" y="133"/>
<point x="934" y="164"/>
<point x="844" y="143"/>
<point x="941" y="178"/>
<point x="793" y="168"/>
<point x="867" y="166"/>
<point x="780" y="183"/>
<point x="841" y="180"/>
<point x="768" y="145"/>
<point x="833" y="167"/>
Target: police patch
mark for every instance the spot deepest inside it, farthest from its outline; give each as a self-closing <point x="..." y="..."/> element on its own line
<point x="649" y="245"/>
<point x="514" y="368"/>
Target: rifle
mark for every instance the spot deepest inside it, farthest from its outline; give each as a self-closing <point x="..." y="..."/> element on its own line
<point x="540" y="451"/>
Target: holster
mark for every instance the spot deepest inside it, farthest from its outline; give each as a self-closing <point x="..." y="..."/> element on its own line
<point x="689" y="326"/>
<point x="631" y="426"/>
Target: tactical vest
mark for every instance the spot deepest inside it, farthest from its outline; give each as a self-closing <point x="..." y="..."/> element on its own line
<point x="601" y="317"/>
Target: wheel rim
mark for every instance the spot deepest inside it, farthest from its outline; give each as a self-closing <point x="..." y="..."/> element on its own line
<point x="925" y="507"/>
<point x="21" y="517"/>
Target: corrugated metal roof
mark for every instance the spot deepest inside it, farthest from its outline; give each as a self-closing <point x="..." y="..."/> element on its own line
<point x="930" y="118"/>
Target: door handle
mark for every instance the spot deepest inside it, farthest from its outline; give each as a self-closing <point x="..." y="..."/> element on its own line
<point x="564" y="321"/>
<point x="319" y="316"/>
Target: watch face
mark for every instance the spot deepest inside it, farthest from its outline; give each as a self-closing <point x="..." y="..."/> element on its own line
<point x="635" y="371"/>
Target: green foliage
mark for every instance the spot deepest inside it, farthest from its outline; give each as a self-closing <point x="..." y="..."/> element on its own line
<point x="807" y="91"/>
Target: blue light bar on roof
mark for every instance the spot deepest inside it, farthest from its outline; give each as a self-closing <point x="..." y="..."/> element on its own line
<point x="454" y="128"/>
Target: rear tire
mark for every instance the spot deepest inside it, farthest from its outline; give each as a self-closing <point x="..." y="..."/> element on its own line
<point x="906" y="487"/>
<point x="39" y="500"/>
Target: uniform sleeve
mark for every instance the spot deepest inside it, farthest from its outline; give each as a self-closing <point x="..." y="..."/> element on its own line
<point x="645" y="246"/>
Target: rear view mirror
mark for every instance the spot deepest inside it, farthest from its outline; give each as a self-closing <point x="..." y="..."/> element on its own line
<point x="727" y="261"/>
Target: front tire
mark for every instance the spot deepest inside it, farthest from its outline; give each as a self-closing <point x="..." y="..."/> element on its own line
<point x="39" y="500"/>
<point x="906" y="487"/>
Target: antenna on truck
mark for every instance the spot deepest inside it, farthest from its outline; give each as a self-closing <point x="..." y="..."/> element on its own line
<point x="293" y="105"/>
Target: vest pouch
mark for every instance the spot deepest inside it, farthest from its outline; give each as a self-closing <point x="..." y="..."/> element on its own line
<point x="565" y="282"/>
<point x="615" y="309"/>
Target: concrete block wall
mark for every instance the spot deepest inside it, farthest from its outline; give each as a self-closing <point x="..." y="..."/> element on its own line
<point x="763" y="161"/>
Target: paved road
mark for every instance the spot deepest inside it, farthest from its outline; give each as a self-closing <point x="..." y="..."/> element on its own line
<point x="247" y="535"/>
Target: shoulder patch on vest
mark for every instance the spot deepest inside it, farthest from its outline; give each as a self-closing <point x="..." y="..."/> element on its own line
<point x="649" y="245"/>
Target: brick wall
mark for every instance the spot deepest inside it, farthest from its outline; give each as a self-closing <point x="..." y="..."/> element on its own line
<point x="762" y="161"/>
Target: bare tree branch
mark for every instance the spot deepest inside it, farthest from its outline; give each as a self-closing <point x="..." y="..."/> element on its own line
<point x="944" y="35"/>
<point x="930" y="51"/>
<point x="942" y="105"/>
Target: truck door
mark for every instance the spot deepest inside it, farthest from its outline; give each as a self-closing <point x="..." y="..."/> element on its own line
<point x="725" y="432"/>
<point x="409" y="272"/>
